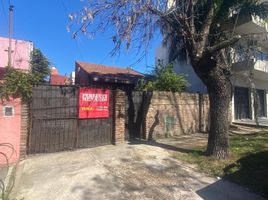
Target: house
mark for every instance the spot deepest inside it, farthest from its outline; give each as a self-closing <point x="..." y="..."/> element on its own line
<point x="250" y="71"/>
<point x="56" y="79"/>
<point x="11" y="111"/>
<point x="95" y="74"/>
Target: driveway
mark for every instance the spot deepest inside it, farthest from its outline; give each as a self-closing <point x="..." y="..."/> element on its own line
<point x="125" y="171"/>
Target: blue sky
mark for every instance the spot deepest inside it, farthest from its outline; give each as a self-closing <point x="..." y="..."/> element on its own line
<point x="44" y="22"/>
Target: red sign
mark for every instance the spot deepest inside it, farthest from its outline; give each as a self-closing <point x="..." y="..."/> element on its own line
<point x="93" y="103"/>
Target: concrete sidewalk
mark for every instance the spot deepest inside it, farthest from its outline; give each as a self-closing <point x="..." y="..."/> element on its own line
<point x="137" y="171"/>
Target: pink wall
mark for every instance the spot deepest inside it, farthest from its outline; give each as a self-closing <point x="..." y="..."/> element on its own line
<point x="10" y="127"/>
<point x="20" y="53"/>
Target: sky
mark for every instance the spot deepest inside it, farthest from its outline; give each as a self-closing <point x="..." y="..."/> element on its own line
<point x="44" y="23"/>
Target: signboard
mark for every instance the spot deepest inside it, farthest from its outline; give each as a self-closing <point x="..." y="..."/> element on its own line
<point x="93" y="103"/>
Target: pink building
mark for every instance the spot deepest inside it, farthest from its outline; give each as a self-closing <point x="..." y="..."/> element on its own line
<point x="10" y="112"/>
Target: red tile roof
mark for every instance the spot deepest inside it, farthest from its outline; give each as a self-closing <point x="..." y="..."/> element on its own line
<point x="59" y="80"/>
<point x="110" y="72"/>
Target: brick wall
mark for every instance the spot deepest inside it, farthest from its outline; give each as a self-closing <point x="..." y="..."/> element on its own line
<point x="164" y="114"/>
<point x="203" y="112"/>
<point x="119" y="119"/>
<point x="24" y="130"/>
<point x="172" y="114"/>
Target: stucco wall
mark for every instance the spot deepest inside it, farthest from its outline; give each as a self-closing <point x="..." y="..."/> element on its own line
<point x="21" y="51"/>
<point x="10" y="129"/>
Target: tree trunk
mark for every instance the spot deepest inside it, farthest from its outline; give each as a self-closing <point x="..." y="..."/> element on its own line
<point x="218" y="140"/>
<point x="217" y="80"/>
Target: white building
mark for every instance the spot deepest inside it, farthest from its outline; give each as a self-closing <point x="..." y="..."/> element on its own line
<point x="250" y="71"/>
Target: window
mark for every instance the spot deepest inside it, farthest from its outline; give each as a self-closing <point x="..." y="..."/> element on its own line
<point x="8" y="111"/>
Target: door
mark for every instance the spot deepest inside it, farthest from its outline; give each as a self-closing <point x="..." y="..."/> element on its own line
<point x="261" y="95"/>
<point x="94" y="132"/>
<point x="241" y="103"/>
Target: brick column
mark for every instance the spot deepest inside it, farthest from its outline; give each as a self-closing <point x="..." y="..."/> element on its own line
<point x="24" y="130"/>
<point x="119" y="116"/>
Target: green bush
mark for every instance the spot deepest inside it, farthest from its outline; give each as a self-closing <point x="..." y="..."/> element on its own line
<point x="18" y="83"/>
<point x="163" y="78"/>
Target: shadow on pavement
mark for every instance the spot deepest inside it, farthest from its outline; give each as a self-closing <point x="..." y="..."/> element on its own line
<point x="164" y="146"/>
<point x="250" y="171"/>
<point x="223" y="190"/>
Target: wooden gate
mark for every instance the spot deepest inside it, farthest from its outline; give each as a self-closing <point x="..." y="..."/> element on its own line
<point x="55" y="124"/>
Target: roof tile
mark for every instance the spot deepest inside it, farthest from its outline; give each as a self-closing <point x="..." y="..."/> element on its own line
<point x="59" y="80"/>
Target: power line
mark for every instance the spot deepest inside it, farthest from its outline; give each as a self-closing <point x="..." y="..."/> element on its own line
<point x="64" y="7"/>
<point x="76" y="41"/>
<point x="79" y="50"/>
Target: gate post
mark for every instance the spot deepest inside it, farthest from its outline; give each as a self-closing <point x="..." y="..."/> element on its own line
<point x="25" y="129"/>
<point x="119" y="116"/>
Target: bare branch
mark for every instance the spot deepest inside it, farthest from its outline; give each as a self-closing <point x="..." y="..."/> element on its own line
<point x="187" y="31"/>
<point x="192" y="16"/>
<point x="224" y="44"/>
<point x="206" y="28"/>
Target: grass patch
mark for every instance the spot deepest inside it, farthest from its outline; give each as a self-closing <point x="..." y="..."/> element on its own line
<point x="247" y="166"/>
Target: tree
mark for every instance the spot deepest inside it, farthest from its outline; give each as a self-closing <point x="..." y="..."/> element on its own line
<point x="163" y="78"/>
<point x="19" y="84"/>
<point x="199" y="26"/>
<point x="39" y="65"/>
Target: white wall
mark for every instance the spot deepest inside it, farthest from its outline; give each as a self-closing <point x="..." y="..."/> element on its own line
<point x="196" y="85"/>
<point x="243" y="81"/>
<point x="181" y="67"/>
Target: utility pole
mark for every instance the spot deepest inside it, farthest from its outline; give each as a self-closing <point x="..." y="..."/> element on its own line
<point x="10" y="36"/>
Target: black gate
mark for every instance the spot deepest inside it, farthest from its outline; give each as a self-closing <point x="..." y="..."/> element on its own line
<point x="55" y="124"/>
<point x="241" y="103"/>
<point x="133" y="106"/>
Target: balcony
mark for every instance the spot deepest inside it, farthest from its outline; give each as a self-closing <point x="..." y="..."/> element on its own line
<point x="252" y="25"/>
<point x="261" y="65"/>
<point x="260" y="22"/>
<point x="257" y="62"/>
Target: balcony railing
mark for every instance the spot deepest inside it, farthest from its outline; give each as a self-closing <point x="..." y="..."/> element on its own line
<point x="261" y="65"/>
<point x="260" y="22"/>
<point x="257" y="61"/>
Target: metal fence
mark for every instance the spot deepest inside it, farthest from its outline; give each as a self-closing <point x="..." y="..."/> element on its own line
<point x="55" y="125"/>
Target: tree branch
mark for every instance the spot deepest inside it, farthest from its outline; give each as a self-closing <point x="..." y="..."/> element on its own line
<point x="192" y="16"/>
<point x="206" y="28"/>
<point x="223" y="44"/>
<point x="187" y="29"/>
